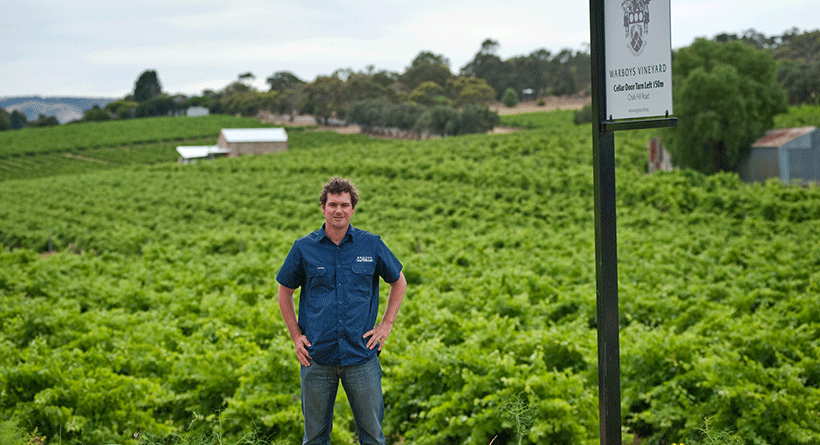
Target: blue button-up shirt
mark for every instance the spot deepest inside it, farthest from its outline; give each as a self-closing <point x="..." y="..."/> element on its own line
<point x="339" y="300"/>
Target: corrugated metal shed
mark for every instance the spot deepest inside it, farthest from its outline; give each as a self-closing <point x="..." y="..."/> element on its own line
<point x="780" y="137"/>
<point x="791" y="154"/>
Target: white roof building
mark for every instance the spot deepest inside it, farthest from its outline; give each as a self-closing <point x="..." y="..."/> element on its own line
<point x="196" y="111"/>
<point x="236" y="135"/>
<point x="190" y="153"/>
<point x="238" y="141"/>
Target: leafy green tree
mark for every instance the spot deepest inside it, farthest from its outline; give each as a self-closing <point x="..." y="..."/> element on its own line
<point x="487" y="65"/>
<point x="367" y="113"/>
<point x="436" y="120"/>
<point x="534" y="71"/>
<point x="158" y="106"/>
<point x="290" y="85"/>
<point x="122" y="108"/>
<point x="797" y="46"/>
<point x="801" y="81"/>
<point x="445" y="120"/>
<point x="726" y="96"/>
<point x="426" y="67"/>
<point x="96" y="114"/>
<point x="284" y="80"/>
<point x="17" y="120"/>
<point x="569" y="72"/>
<point x="799" y="73"/>
<point x="798" y="53"/>
<point x="474" y="119"/>
<point x="222" y="98"/>
<point x="561" y="74"/>
<point x="429" y="93"/>
<point x="147" y="86"/>
<point x="750" y="37"/>
<point x="385" y="78"/>
<point x="237" y="86"/>
<point x="361" y="86"/>
<point x="510" y="98"/>
<point x="466" y="90"/>
<point x="402" y="115"/>
<point x="200" y="101"/>
<point x="250" y="103"/>
<point x="324" y="98"/>
<point x="5" y="123"/>
<point x="44" y="121"/>
<point x="247" y="77"/>
<point x="526" y="72"/>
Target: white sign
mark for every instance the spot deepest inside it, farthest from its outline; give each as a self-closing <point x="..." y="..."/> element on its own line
<point x="638" y="61"/>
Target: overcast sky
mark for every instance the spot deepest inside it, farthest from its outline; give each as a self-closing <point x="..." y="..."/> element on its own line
<point x="99" y="48"/>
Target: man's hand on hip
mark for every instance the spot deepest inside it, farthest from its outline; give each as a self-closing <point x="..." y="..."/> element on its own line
<point x="301" y="344"/>
<point x="378" y="335"/>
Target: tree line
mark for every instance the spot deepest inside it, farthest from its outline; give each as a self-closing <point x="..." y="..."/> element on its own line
<point x="429" y="82"/>
<point x="428" y="94"/>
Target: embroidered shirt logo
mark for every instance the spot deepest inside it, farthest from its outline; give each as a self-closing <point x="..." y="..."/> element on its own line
<point x="364" y="259"/>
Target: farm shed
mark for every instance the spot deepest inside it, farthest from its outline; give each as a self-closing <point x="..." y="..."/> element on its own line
<point x="188" y="154"/>
<point x="791" y="154"/>
<point x="240" y="141"/>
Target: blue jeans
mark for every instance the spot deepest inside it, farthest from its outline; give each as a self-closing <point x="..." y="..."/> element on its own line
<point x="363" y="386"/>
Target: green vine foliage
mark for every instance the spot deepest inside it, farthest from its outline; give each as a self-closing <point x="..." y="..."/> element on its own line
<point x="142" y="298"/>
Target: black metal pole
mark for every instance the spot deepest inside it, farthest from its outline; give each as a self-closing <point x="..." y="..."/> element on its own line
<point x="606" y="245"/>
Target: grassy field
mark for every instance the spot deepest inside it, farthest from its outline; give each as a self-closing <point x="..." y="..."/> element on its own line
<point x="140" y="298"/>
<point x="78" y="148"/>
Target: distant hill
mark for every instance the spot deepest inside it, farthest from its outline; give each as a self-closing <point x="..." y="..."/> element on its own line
<point x="65" y="109"/>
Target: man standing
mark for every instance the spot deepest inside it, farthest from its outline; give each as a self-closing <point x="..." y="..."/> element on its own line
<point x="336" y="336"/>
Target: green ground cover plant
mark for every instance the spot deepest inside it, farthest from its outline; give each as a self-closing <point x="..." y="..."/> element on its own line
<point x="142" y="298"/>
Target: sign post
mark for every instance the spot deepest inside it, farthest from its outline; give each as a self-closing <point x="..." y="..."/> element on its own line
<point x="630" y="43"/>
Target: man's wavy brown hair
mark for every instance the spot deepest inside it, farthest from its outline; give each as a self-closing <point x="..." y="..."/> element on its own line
<point x="336" y="186"/>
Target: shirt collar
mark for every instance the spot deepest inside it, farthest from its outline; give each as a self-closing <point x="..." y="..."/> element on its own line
<point x="348" y="235"/>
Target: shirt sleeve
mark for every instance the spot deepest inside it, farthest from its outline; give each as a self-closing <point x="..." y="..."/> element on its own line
<point x="388" y="266"/>
<point x="291" y="274"/>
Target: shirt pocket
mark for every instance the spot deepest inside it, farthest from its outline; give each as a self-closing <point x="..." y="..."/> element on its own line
<point x="362" y="278"/>
<point x="318" y="279"/>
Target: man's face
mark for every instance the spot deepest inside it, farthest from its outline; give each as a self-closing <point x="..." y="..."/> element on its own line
<point x="337" y="210"/>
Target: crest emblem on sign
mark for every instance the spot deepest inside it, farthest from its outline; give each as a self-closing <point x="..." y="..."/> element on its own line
<point x="636" y="24"/>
